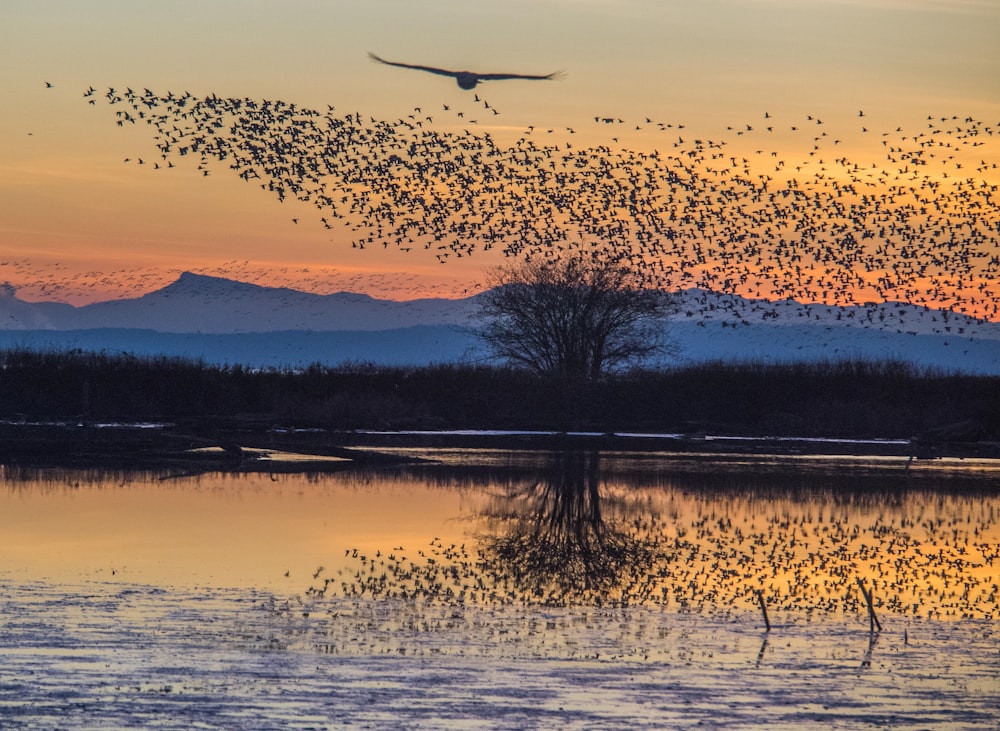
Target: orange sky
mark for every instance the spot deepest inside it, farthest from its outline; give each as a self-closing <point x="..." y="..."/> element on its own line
<point x="79" y="224"/>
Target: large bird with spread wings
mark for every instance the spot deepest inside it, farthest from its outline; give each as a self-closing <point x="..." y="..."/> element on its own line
<point x="465" y="79"/>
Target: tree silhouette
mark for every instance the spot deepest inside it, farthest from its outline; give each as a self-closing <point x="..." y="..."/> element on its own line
<point x="556" y="546"/>
<point x="574" y="317"/>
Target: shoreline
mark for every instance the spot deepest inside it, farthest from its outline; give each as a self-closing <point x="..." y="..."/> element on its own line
<point x="252" y="447"/>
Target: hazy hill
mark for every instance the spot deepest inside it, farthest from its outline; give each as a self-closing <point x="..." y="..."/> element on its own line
<point x="197" y="303"/>
<point x="223" y="321"/>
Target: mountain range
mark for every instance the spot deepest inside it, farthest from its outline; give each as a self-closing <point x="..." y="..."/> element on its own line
<point x="223" y="321"/>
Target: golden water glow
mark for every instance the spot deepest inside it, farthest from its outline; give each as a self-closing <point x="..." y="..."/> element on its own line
<point x="650" y="533"/>
<point x="213" y="531"/>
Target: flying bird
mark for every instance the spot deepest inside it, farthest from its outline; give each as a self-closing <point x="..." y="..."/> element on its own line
<point x="465" y="79"/>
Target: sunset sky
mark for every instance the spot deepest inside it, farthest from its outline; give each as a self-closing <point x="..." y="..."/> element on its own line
<point x="79" y="224"/>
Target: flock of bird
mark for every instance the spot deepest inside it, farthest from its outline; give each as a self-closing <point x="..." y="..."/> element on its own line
<point x="919" y="225"/>
<point x="930" y="561"/>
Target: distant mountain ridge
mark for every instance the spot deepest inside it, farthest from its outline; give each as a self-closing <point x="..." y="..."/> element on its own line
<point x="224" y="321"/>
<point x="196" y="303"/>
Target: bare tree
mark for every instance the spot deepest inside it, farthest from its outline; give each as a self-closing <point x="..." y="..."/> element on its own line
<point x="577" y="318"/>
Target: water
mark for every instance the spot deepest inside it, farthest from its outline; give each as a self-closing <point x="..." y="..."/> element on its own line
<point x="492" y="589"/>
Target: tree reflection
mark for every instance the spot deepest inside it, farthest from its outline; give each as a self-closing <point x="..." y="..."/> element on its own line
<point x="554" y="544"/>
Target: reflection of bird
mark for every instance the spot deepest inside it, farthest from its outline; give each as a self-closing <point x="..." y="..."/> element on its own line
<point x="553" y="546"/>
<point x="466" y="79"/>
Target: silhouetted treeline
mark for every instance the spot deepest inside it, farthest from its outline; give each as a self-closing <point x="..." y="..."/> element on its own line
<point x="842" y="399"/>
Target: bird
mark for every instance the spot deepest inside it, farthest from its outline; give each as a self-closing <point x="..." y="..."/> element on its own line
<point x="466" y="79"/>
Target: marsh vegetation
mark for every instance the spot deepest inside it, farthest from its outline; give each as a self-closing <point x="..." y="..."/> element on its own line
<point x="838" y="399"/>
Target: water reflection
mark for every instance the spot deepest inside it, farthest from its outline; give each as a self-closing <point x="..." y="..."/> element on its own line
<point x="218" y="530"/>
<point x="554" y="541"/>
<point x="578" y="529"/>
<point x="535" y="529"/>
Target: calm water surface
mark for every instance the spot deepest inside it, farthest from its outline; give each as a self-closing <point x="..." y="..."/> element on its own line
<point x="550" y="529"/>
<point x="506" y="590"/>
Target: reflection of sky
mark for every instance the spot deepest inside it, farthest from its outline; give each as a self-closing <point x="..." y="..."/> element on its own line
<point x="803" y="542"/>
<point x="228" y="532"/>
<point x="77" y="223"/>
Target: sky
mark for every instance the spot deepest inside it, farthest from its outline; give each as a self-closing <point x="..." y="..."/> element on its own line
<point x="80" y="224"/>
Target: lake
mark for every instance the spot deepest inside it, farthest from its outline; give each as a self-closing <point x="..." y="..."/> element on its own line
<point x="488" y="588"/>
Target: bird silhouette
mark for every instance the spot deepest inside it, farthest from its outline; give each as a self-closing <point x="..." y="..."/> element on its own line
<point x="466" y="79"/>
